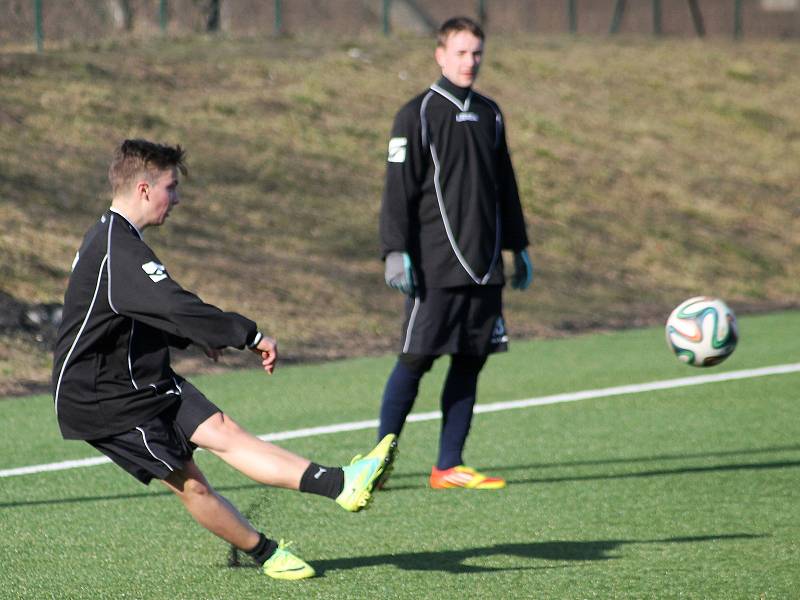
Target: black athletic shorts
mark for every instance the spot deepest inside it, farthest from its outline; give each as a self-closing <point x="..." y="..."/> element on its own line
<point x="160" y="445"/>
<point x="460" y="320"/>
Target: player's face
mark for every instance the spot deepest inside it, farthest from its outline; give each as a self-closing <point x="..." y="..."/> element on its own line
<point x="162" y="195"/>
<point x="460" y="57"/>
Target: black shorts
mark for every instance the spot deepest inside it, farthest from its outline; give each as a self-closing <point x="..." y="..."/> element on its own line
<point x="462" y="320"/>
<point x="160" y="445"/>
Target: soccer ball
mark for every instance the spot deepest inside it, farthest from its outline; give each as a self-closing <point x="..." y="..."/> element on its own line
<point x="702" y="331"/>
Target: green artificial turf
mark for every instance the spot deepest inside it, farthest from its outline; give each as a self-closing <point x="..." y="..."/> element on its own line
<point x="689" y="492"/>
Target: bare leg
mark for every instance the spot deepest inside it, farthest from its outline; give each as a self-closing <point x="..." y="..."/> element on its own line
<point x="259" y="460"/>
<point x="211" y="510"/>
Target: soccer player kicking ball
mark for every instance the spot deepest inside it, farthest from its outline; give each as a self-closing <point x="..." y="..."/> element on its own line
<point x="114" y="387"/>
<point x="450" y="205"/>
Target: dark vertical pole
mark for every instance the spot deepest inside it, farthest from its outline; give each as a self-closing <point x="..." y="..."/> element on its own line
<point x="737" y="19"/>
<point x="39" y="30"/>
<point x="697" y="18"/>
<point x="657" y="17"/>
<point x="278" y="24"/>
<point x="163" y="15"/>
<point x="212" y="22"/>
<point x="387" y="5"/>
<point x="616" y="20"/>
<point x="482" y="12"/>
<point x="572" y="14"/>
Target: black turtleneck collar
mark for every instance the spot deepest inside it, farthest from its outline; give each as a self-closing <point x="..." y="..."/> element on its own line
<point x="459" y="92"/>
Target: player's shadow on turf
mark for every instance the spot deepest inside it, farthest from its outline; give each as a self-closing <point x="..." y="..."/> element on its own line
<point x="396" y="482"/>
<point x="456" y="561"/>
<point x="131" y="496"/>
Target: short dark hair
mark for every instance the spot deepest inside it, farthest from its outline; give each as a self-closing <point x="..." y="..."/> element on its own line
<point x="455" y="25"/>
<point x="133" y="158"/>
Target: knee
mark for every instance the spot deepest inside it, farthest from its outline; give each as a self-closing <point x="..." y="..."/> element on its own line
<point x="218" y="433"/>
<point x="223" y="426"/>
<point x="188" y="483"/>
<point x="419" y="364"/>
<point x="464" y="363"/>
<point x="195" y="489"/>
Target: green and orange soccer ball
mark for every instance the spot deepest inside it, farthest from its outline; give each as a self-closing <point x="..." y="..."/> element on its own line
<point x="702" y="331"/>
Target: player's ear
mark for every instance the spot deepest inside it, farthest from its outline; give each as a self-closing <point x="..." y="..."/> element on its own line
<point x="142" y="188"/>
<point x="439" y="56"/>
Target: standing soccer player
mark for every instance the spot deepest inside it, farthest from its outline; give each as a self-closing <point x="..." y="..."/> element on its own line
<point x="114" y="387"/>
<point x="450" y="205"/>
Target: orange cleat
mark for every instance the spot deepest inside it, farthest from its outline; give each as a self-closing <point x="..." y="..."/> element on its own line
<point x="464" y="477"/>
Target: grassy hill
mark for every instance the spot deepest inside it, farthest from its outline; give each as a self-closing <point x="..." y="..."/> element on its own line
<point x="650" y="171"/>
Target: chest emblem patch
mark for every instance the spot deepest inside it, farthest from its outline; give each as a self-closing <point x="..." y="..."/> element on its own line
<point x="467" y="116"/>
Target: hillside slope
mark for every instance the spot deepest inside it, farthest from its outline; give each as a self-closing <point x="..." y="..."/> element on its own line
<point x="650" y="171"/>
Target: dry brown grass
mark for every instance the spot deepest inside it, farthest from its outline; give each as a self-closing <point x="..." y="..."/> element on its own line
<point x="650" y="171"/>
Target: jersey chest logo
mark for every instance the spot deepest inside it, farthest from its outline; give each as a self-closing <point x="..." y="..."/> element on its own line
<point x="467" y="116"/>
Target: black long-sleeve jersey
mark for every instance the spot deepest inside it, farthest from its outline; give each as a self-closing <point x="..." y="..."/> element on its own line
<point x="122" y="311"/>
<point x="450" y="198"/>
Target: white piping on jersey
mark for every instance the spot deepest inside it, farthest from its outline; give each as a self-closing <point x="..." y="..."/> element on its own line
<point x="130" y="345"/>
<point x="423" y="120"/>
<point x="464" y="106"/>
<point x="498" y="119"/>
<point x="411" y="320"/>
<point x="133" y="321"/>
<point x="110" y="303"/>
<point x="448" y="230"/>
<point x="146" y="445"/>
<point x="437" y="186"/>
<point x="168" y="392"/>
<point x="80" y="331"/>
<point x="108" y="264"/>
<point x="124" y="216"/>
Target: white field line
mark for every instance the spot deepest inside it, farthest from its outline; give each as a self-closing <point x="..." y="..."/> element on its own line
<point x="479" y="408"/>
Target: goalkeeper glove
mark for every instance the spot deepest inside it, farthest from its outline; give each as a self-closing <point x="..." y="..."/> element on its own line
<point x="399" y="273"/>
<point x="523" y="271"/>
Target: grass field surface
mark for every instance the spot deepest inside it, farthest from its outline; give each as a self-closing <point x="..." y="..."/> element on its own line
<point x="689" y="492"/>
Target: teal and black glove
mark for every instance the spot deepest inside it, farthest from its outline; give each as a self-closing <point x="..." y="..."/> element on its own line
<point x="399" y="273"/>
<point x="523" y="271"/>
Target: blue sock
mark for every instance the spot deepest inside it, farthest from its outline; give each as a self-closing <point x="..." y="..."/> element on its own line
<point x="398" y="399"/>
<point x="458" y="399"/>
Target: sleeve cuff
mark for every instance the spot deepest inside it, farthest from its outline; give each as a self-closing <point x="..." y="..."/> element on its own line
<point x="256" y="340"/>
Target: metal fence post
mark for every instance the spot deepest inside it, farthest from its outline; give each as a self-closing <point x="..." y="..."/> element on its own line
<point x="278" y="24"/>
<point x="572" y="14"/>
<point x="482" y="12"/>
<point x="213" y="18"/>
<point x="387" y="5"/>
<point x="656" y="17"/>
<point x="38" y="29"/>
<point x="616" y="19"/>
<point x="163" y="15"/>
<point x="697" y="18"/>
<point x="737" y="19"/>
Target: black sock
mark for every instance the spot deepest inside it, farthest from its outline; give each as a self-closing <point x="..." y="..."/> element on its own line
<point x="325" y="481"/>
<point x="263" y="549"/>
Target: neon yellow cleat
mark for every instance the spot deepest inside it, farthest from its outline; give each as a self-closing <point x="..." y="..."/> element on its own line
<point x="285" y="565"/>
<point x="464" y="477"/>
<point x="361" y="475"/>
